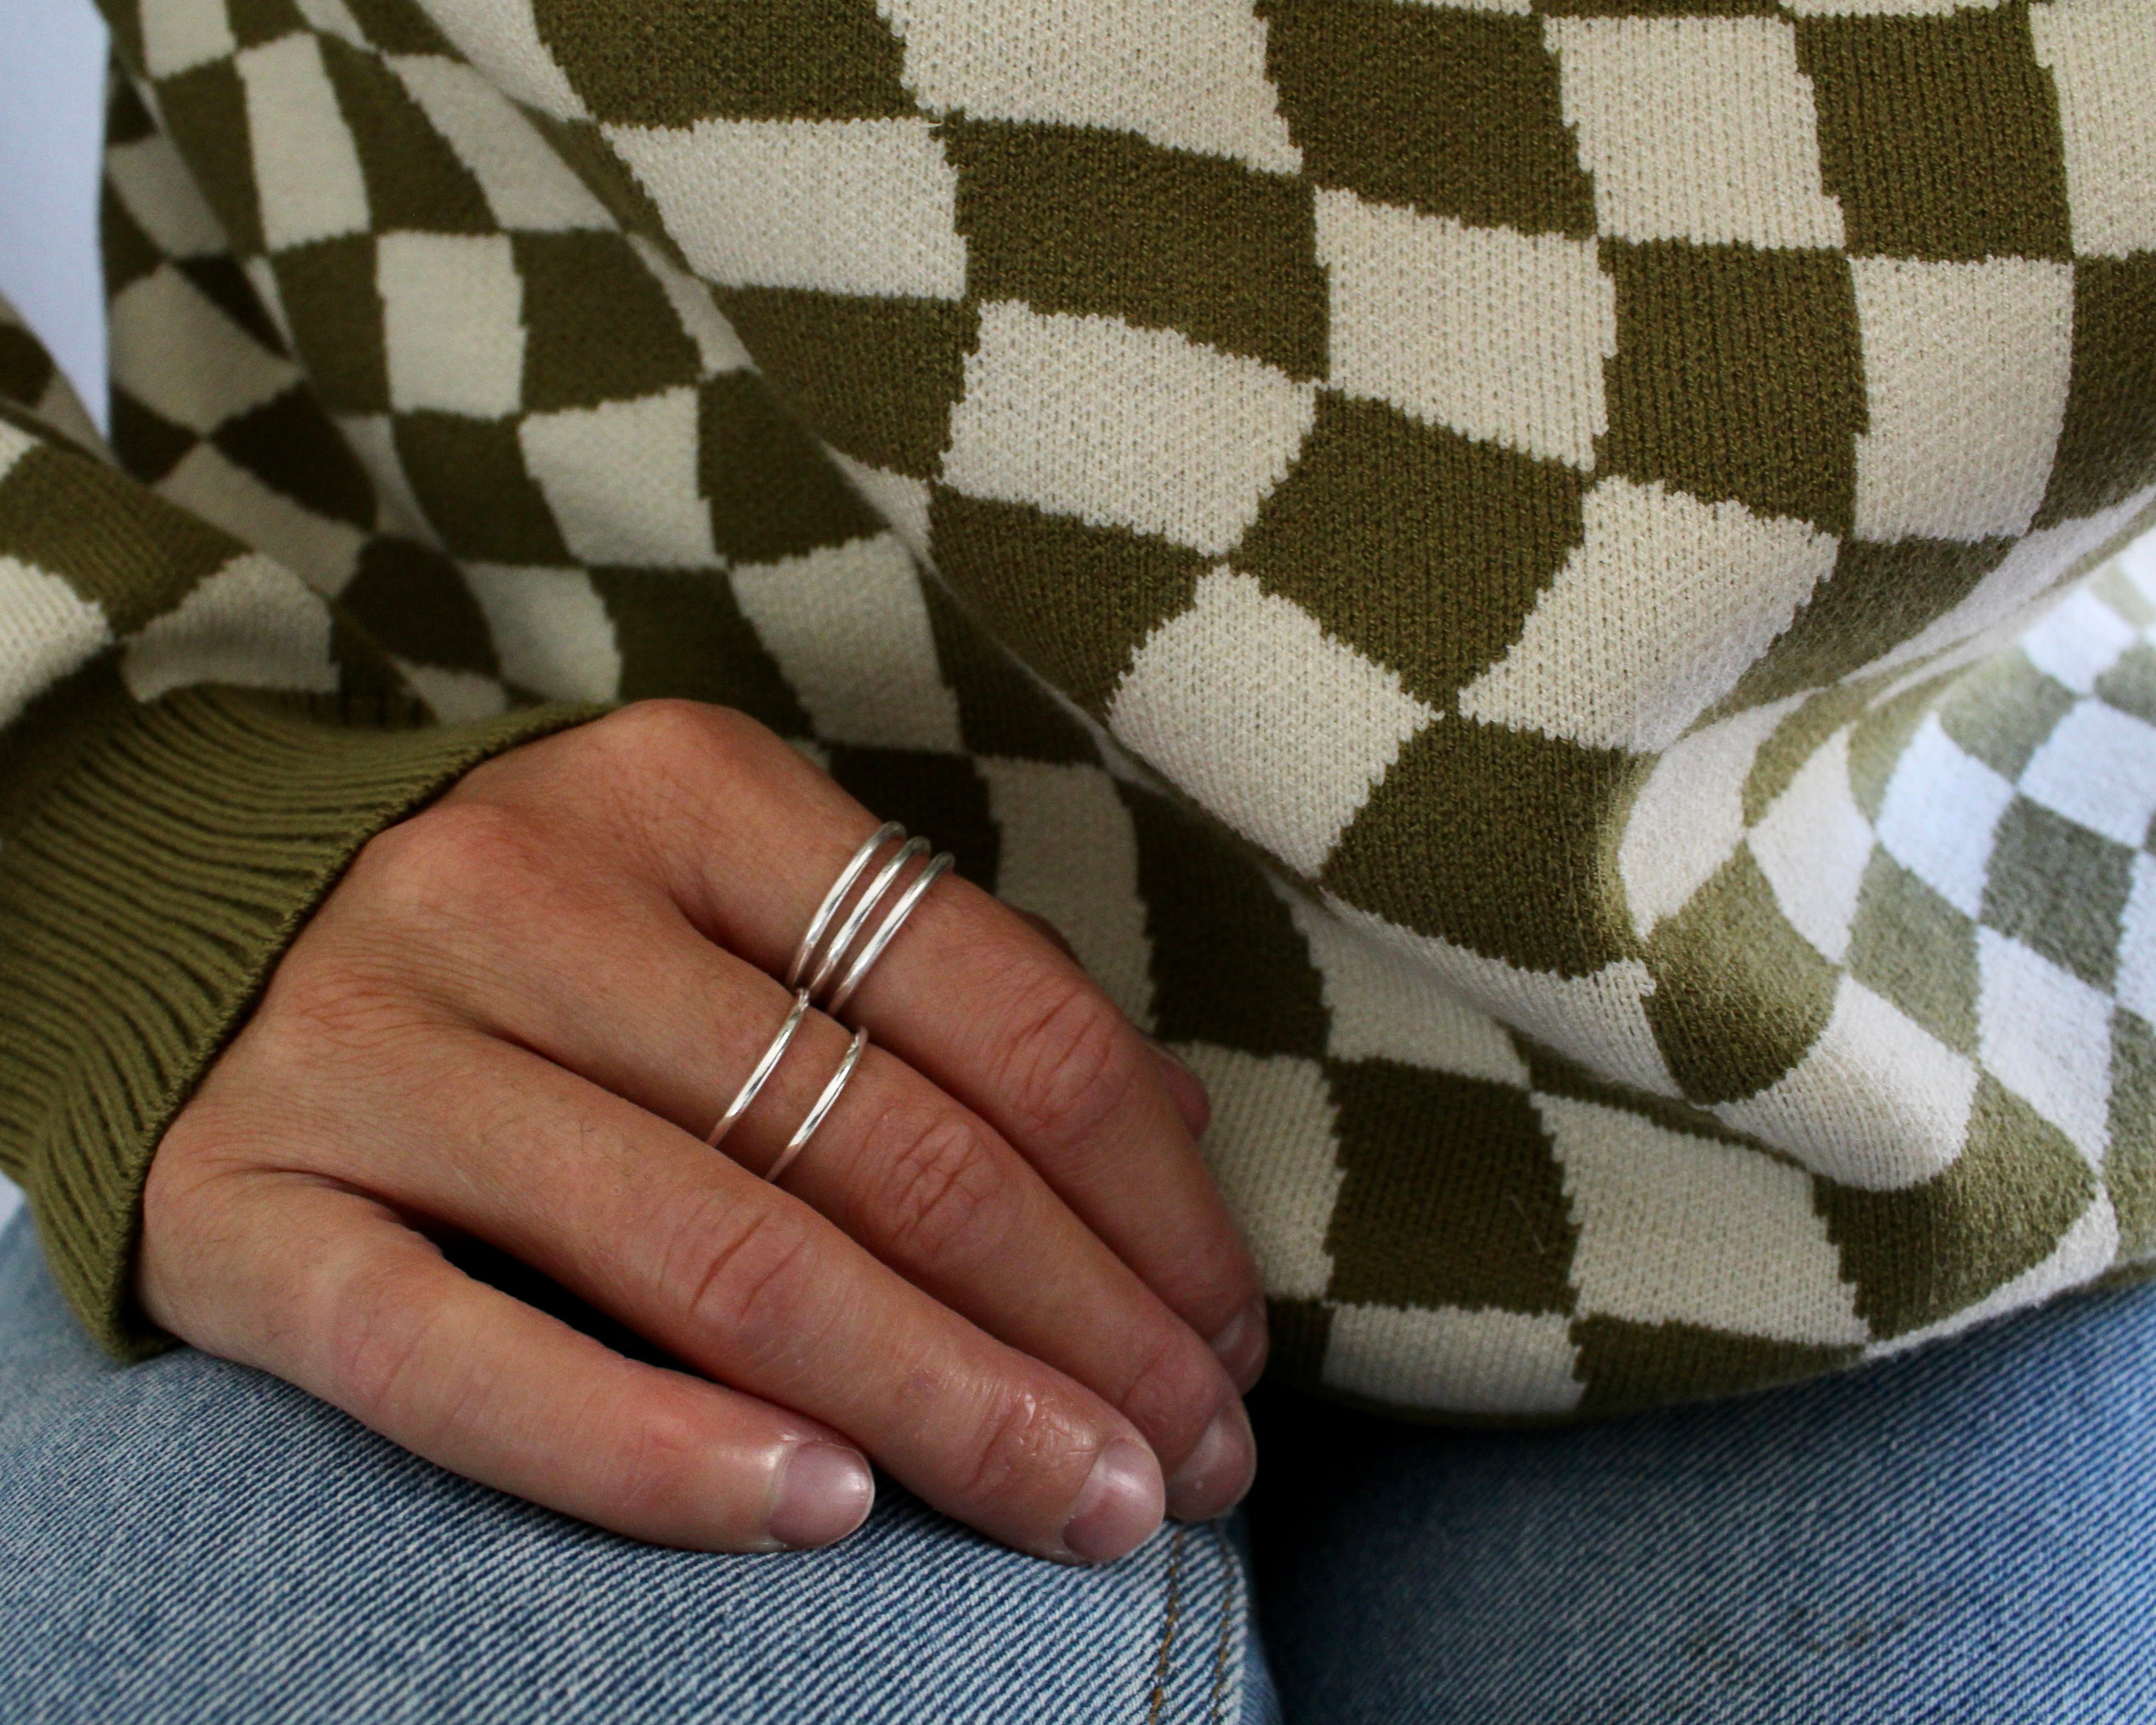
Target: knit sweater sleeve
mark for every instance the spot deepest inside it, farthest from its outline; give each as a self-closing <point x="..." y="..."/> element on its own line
<point x="195" y="744"/>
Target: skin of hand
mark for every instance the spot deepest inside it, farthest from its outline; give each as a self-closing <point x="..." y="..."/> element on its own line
<point x="1000" y="1270"/>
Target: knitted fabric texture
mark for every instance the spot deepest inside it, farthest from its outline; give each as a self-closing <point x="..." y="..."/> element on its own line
<point x="1516" y="577"/>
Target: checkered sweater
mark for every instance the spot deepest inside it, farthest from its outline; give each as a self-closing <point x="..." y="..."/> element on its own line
<point x="1515" y="575"/>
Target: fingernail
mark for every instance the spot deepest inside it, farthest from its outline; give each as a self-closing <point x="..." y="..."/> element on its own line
<point x="1240" y="1346"/>
<point x="1216" y="1474"/>
<point x="824" y="1492"/>
<point x="1117" y="1506"/>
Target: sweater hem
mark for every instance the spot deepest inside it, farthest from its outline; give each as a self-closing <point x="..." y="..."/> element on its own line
<point x="144" y="902"/>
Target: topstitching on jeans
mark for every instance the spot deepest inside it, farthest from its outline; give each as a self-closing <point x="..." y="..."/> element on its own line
<point x="1167" y="1627"/>
<point x="1230" y="1591"/>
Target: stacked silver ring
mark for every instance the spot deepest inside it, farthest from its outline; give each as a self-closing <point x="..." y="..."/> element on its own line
<point x="833" y="955"/>
<point x="849" y="932"/>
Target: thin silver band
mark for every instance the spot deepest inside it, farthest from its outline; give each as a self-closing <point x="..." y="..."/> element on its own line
<point x="821" y="920"/>
<point x="849" y="930"/>
<point x="937" y="864"/>
<point x="824" y="1103"/>
<point x="764" y="1068"/>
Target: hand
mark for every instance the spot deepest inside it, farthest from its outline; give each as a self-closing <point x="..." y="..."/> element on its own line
<point x="994" y="1269"/>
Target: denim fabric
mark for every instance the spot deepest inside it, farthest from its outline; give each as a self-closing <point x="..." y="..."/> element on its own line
<point x="192" y="1541"/>
<point x="1966" y="1535"/>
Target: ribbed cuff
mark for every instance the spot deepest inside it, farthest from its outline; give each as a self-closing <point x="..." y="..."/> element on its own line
<point x="144" y="901"/>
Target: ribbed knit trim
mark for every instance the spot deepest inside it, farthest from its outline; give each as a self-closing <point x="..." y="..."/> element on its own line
<point x="143" y="905"/>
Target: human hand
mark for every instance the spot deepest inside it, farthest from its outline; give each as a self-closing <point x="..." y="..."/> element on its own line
<point x="516" y="1017"/>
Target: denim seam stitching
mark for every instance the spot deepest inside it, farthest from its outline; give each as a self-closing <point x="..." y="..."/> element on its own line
<point x="1229" y="1595"/>
<point x="1167" y="1628"/>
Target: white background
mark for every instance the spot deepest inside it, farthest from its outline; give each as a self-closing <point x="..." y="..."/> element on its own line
<point x="52" y="74"/>
<point x="52" y="77"/>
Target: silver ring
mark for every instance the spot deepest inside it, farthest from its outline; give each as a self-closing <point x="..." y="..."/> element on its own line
<point x="821" y="920"/>
<point x="851" y="926"/>
<point x="764" y="1068"/>
<point x="937" y="864"/>
<point x="824" y="1103"/>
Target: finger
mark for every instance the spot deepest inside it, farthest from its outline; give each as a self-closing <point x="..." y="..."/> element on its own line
<point x="968" y="996"/>
<point x="1193" y="1101"/>
<point x="1184" y="1085"/>
<point x="744" y="1283"/>
<point x="977" y="1002"/>
<point x="626" y="994"/>
<point x="372" y="1318"/>
<point x="1048" y="932"/>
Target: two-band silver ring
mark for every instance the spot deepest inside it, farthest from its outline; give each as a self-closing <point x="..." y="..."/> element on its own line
<point x="819" y="960"/>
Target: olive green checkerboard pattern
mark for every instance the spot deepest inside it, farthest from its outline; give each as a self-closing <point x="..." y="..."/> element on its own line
<point x="1559" y="482"/>
<point x="95" y="575"/>
<point x="32" y="384"/>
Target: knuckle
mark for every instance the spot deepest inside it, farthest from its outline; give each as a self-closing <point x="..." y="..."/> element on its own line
<point x="748" y="1281"/>
<point x="1022" y="1440"/>
<point x="1071" y="1062"/>
<point x="319" y="1014"/>
<point x="453" y="890"/>
<point x="659" y="761"/>
<point x="192" y="1230"/>
<point x="939" y="1189"/>
<point x="456" y="866"/>
<point x="374" y="1340"/>
<point x="658" y="1453"/>
<point x="669" y="733"/>
<point x="451" y="842"/>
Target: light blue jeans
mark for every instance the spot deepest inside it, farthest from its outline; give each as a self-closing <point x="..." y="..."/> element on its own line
<point x="1965" y="1537"/>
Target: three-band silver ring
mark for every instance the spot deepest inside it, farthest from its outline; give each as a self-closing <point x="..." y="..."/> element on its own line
<point x="842" y="941"/>
<point x="821" y="956"/>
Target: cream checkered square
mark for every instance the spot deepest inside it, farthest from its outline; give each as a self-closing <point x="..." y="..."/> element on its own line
<point x="2110" y="147"/>
<point x="1980" y="352"/>
<point x="1679" y="1228"/>
<point x="2045" y="1034"/>
<point x="528" y="185"/>
<point x="846" y="207"/>
<point x="1606" y="665"/>
<point x="1877" y="1102"/>
<point x="851" y="632"/>
<point x="1188" y="73"/>
<point x="2098" y="769"/>
<point x="1496" y="334"/>
<point x="1270" y="1147"/>
<point x="1087" y="416"/>
<point x="501" y="39"/>
<point x="184" y="357"/>
<point x="1381" y="1006"/>
<point x="1069" y="853"/>
<point x="1287" y="744"/>
<point x="551" y="630"/>
<point x="452" y="322"/>
<point x="621" y="480"/>
<point x="1697" y="128"/>
<point x="1688" y="818"/>
<point x="179" y="37"/>
<point x="306" y="169"/>
<point x="1454" y="1361"/>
